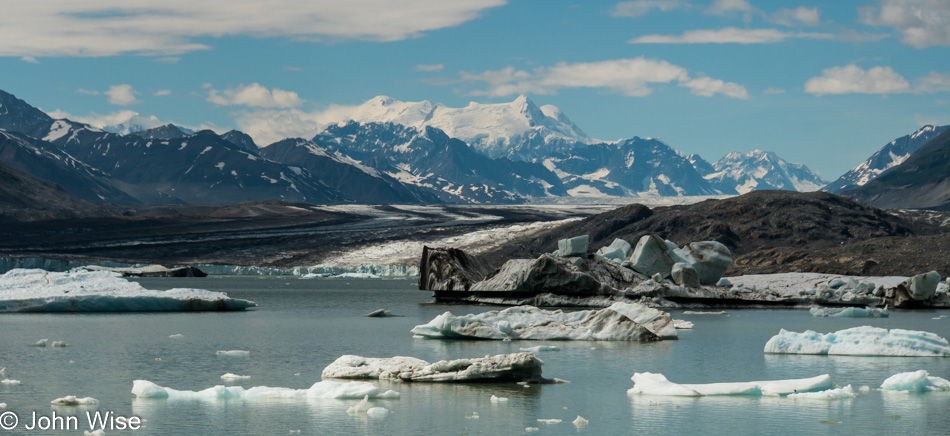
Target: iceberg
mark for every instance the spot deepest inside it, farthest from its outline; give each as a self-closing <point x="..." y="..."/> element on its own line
<point x="230" y="377"/>
<point x="849" y="312"/>
<point x="860" y="341"/>
<point x="233" y="353"/>
<point x="540" y="348"/>
<point x="576" y="246"/>
<point x="9" y="381"/>
<point x="517" y="367"/>
<point x="34" y="290"/>
<point x="917" y="381"/>
<point x="377" y="412"/>
<point x="580" y="421"/>
<point x="844" y="393"/>
<point x="72" y="400"/>
<point x="619" y="322"/>
<point x="320" y="390"/>
<point x="645" y="383"/>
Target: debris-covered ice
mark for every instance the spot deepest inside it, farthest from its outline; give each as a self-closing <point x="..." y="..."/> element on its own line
<point x="917" y="381"/>
<point x="619" y="322"/>
<point x="517" y="367"/>
<point x="35" y="290"/>
<point x="860" y="341"/>
<point x="321" y="390"/>
<point x="646" y="383"/>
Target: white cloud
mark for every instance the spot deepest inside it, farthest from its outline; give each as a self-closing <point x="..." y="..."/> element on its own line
<point x="122" y="95"/>
<point x="637" y="8"/>
<point x="269" y="126"/>
<point x="168" y="59"/>
<point x="728" y="35"/>
<point x="253" y="95"/>
<point x="773" y="91"/>
<point x="87" y="91"/>
<point x="795" y="17"/>
<point x="112" y="27"/>
<point x="30" y="59"/>
<point x="921" y="23"/>
<point x="728" y="7"/>
<point x="435" y="67"/>
<point x="163" y="92"/>
<point x="630" y="77"/>
<point x="852" y="79"/>
<point x="934" y="82"/>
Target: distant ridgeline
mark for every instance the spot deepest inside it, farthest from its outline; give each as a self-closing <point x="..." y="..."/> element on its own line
<point x="392" y="152"/>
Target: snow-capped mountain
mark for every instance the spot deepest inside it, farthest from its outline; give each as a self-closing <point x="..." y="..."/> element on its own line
<point x="519" y="130"/>
<point x="756" y="170"/>
<point x="889" y="156"/>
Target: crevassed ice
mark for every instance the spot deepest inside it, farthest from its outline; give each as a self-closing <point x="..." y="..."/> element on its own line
<point x="646" y="383"/>
<point x="619" y="322"/>
<point x="860" y="341"/>
<point x="35" y="290"/>
<point x="320" y="390"/>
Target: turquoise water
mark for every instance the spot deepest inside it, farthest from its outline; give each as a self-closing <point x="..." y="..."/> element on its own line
<point x="303" y="325"/>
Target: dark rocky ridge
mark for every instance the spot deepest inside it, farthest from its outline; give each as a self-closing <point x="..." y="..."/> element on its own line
<point x="770" y="232"/>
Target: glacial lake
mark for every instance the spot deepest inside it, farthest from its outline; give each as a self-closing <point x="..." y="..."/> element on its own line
<point x="303" y="325"/>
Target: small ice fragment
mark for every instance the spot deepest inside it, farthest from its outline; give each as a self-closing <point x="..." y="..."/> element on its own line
<point x="297" y="374"/>
<point x="59" y="344"/>
<point x="234" y="353"/>
<point x="360" y="407"/>
<point x="295" y="432"/>
<point x="176" y="336"/>
<point x="580" y="421"/>
<point x="3" y="371"/>
<point x="473" y="415"/>
<point x="8" y="381"/>
<point x="531" y="429"/>
<point x="496" y="400"/>
<point x="98" y="432"/>
<point x="72" y="362"/>
<point x="549" y="421"/>
<point x="158" y="359"/>
<point x="844" y="393"/>
<point x="864" y="389"/>
<point x="72" y="400"/>
<point x="380" y="313"/>
<point x="229" y="377"/>
<point x="681" y="324"/>
<point x="541" y="348"/>
<point x="41" y="343"/>
<point x="3" y="406"/>
<point x="377" y="412"/>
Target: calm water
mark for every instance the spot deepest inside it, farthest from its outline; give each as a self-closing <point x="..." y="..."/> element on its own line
<point x="303" y="325"/>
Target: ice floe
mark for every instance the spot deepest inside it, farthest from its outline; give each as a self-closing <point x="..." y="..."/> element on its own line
<point x="549" y="421"/>
<point x="540" y="348"/>
<point x="8" y="381"/>
<point x="229" y="377"/>
<point x="498" y="400"/>
<point x="176" y="336"/>
<point x="830" y="394"/>
<point x="619" y="322"/>
<point x="645" y="383"/>
<point x="321" y="390"/>
<point x="849" y="312"/>
<point x="860" y="341"/>
<point x="233" y="353"/>
<point x="517" y="367"/>
<point x="72" y="400"/>
<point x="917" y="381"/>
<point x="34" y="290"/>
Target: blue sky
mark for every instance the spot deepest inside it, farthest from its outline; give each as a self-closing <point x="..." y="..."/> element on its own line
<point x="821" y="83"/>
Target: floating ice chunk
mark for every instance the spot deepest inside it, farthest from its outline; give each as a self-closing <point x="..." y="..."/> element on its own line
<point x="473" y="415"/>
<point x="646" y="383"/>
<point x="41" y="343"/>
<point x="380" y="313"/>
<point x="518" y="367"/>
<point x="496" y="399"/>
<point x="844" y="393"/>
<point x="694" y="312"/>
<point x="59" y="344"/>
<point x="619" y="322"/>
<point x="540" y="348"/>
<point x="580" y="421"/>
<point x="35" y="290"/>
<point x="849" y="312"/>
<point x="234" y="353"/>
<point x="682" y="324"/>
<point x="377" y="412"/>
<point x="176" y="336"/>
<point x="8" y="381"/>
<point x="3" y="371"/>
<point x="360" y="407"/>
<point x="917" y="381"/>
<point x="98" y="432"/>
<point x="531" y="429"/>
<point x="576" y="246"/>
<point x="549" y="421"/>
<point x="3" y="406"/>
<point x="72" y="400"/>
<point x="229" y="377"/>
<point x="860" y="341"/>
<point x="320" y="390"/>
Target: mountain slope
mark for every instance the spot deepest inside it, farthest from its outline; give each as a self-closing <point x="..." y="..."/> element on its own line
<point x="920" y="182"/>
<point x="27" y="198"/>
<point x="889" y="156"/>
<point x="757" y="170"/>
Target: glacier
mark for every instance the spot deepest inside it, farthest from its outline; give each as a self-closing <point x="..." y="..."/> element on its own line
<point x="34" y="290"/>
<point x="320" y="390"/>
<point x="860" y="341"/>
<point x="516" y="367"/>
<point x="646" y="383"/>
<point x="619" y="322"/>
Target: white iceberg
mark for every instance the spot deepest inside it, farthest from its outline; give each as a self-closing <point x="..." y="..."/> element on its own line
<point x="917" y="381"/>
<point x="176" y="336"/>
<point x="517" y="367"/>
<point x="540" y="348"/>
<point x="860" y="341"/>
<point x="72" y="400"/>
<point x="377" y="412"/>
<point x="41" y="343"/>
<point x="580" y="421"/>
<point x="646" y="383"/>
<point x="549" y="421"/>
<point x="35" y="290"/>
<point x="320" y="390"/>
<point x="8" y="381"/>
<point x="3" y="406"/>
<point x="619" y="322"/>
<point x="496" y="399"/>
<point x="234" y="353"/>
<point x="360" y="407"/>
<point x="229" y="377"/>
<point x="844" y="393"/>
<point x="849" y="312"/>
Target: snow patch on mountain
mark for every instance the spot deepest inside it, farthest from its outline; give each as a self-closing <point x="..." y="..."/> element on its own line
<point x="757" y="169"/>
